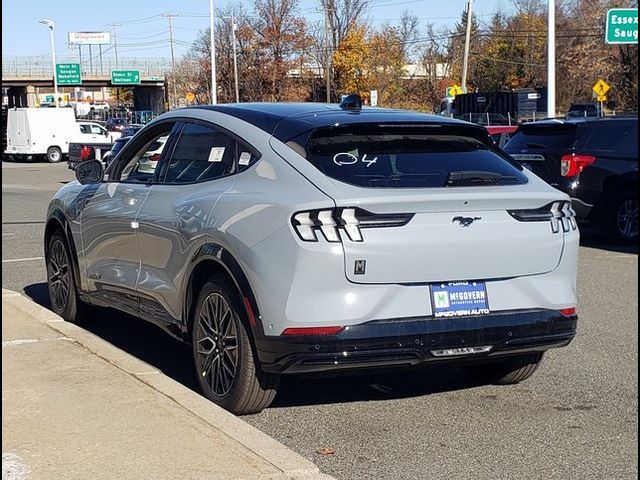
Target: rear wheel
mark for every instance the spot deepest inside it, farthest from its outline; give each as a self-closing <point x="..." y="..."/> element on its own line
<point x="227" y="371"/>
<point x="54" y="154"/>
<point x="505" y="372"/>
<point x="62" y="290"/>
<point x="622" y="220"/>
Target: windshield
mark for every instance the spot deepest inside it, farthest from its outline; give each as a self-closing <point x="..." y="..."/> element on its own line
<point x="405" y="156"/>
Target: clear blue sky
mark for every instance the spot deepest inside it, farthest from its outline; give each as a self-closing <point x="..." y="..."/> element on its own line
<point x="145" y="33"/>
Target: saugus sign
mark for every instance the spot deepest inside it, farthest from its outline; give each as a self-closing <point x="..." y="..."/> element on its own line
<point x="622" y="26"/>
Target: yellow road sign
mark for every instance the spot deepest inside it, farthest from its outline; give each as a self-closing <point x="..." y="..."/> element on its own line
<point x="602" y="98"/>
<point x="190" y="96"/>
<point x="601" y="88"/>
<point x="454" y="90"/>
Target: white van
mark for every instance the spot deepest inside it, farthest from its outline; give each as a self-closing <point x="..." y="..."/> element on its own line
<point x="46" y="131"/>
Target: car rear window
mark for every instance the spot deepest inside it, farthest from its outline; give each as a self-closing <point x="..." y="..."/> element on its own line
<point x="403" y="156"/>
<point x="615" y="138"/>
<point x="547" y="136"/>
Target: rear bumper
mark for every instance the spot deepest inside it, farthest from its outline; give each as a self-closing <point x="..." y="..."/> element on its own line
<point x="394" y="342"/>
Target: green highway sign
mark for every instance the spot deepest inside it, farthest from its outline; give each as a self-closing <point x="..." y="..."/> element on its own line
<point x="68" y="74"/>
<point x="622" y="26"/>
<point x="125" y="77"/>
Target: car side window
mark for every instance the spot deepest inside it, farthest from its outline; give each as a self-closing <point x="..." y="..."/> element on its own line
<point x="140" y="165"/>
<point x="201" y="153"/>
<point x="85" y="128"/>
<point x="96" y="130"/>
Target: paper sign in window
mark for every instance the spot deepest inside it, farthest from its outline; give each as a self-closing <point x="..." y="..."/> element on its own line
<point x="245" y="158"/>
<point x="216" y="154"/>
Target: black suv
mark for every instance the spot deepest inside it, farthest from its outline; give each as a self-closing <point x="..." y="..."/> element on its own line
<point x="594" y="160"/>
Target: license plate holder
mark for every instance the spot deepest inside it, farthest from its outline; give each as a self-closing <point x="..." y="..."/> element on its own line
<point x="459" y="299"/>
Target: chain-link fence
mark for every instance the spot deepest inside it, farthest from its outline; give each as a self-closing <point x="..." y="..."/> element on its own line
<point x="40" y="66"/>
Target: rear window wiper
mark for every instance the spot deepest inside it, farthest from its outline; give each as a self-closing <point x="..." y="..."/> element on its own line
<point x="477" y="177"/>
<point x="536" y="145"/>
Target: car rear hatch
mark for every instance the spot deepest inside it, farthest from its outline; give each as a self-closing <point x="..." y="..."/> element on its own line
<point x="540" y="147"/>
<point x="416" y="206"/>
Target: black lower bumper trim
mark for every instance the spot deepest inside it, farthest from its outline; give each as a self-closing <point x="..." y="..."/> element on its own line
<point x="384" y="343"/>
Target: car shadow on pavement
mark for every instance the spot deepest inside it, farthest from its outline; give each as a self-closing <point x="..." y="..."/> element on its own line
<point x="590" y="236"/>
<point x="155" y="347"/>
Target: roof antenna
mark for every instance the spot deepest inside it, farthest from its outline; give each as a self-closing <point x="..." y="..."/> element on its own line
<point x="351" y="102"/>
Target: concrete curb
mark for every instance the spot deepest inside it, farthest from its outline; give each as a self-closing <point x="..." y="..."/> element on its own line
<point x="291" y="465"/>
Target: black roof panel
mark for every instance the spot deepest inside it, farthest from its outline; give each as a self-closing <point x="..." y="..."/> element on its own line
<point x="287" y="120"/>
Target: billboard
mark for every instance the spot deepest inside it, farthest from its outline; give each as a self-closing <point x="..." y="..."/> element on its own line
<point x="89" y="38"/>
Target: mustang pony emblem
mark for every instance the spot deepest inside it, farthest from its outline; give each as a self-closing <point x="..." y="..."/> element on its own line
<point x="465" y="221"/>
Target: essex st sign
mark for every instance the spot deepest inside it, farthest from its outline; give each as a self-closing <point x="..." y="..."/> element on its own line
<point x="622" y="26"/>
<point x="125" y="77"/>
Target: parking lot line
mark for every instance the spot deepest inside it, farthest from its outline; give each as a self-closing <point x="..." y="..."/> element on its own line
<point x="28" y="259"/>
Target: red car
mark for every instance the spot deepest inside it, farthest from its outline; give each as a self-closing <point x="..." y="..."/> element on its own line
<point x="501" y="133"/>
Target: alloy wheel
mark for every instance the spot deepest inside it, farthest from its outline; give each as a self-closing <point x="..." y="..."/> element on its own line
<point x="59" y="276"/>
<point x="627" y="219"/>
<point x="217" y="344"/>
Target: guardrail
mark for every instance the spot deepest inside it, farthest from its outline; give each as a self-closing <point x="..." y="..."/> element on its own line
<point x="40" y="66"/>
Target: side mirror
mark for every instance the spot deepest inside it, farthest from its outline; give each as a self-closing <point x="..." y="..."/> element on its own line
<point x="90" y="171"/>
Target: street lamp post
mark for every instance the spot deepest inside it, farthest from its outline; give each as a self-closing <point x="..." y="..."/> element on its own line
<point x="214" y="87"/>
<point x="51" y="25"/>
<point x="551" y="59"/>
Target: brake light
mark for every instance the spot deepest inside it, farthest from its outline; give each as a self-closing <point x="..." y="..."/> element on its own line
<point x="86" y="153"/>
<point x="571" y="165"/>
<point x="568" y="312"/>
<point x="313" y="331"/>
<point x="155" y="157"/>
<point x="558" y="213"/>
<point x="351" y="220"/>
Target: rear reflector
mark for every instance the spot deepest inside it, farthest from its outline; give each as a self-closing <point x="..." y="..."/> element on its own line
<point x="313" y="331"/>
<point x="568" y="312"/>
<point x="571" y="165"/>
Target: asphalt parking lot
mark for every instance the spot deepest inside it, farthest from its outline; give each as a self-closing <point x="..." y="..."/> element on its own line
<point x="575" y="418"/>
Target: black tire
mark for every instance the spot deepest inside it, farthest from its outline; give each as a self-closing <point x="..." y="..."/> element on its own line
<point x="226" y="367"/>
<point x="54" y="155"/>
<point x="621" y="222"/>
<point x="505" y="372"/>
<point x="61" y="283"/>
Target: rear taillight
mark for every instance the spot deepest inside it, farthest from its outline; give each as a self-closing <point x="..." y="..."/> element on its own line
<point x="312" y="331"/>
<point x="155" y="157"/>
<point x="571" y="165"/>
<point x="558" y="213"/>
<point x="87" y="153"/>
<point x="351" y="220"/>
<point x="568" y="312"/>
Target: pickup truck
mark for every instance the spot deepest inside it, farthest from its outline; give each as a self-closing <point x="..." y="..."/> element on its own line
<point x="81" y="151"/>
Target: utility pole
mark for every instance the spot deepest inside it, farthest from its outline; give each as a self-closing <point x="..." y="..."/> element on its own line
<point x="214" y="87"/>
<point x="90" y="60"/>
<point x="465" y="60"/>
<point x="235" y="57"/>
<point x="115" y="40"/>
<point x="173" y="60"/>
<point x="327" y="73"/>
<point x="551" y="59"/>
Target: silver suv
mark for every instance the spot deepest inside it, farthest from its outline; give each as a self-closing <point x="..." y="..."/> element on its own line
<point x="286" y="238"/>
